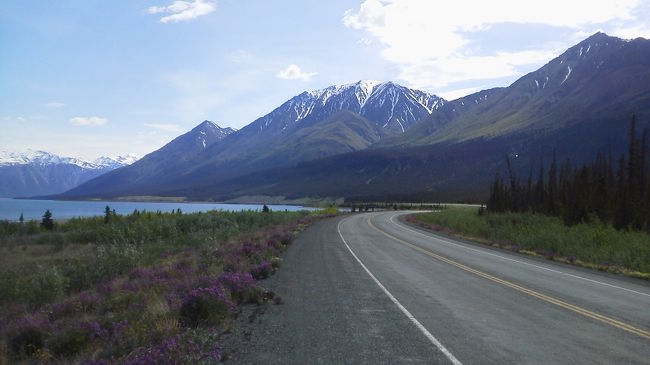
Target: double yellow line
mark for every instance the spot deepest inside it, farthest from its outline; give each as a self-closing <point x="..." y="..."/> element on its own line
<point x="538" y="295"/>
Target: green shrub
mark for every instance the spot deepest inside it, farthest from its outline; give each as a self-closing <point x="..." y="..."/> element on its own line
<point x="39" y="287"/>
<point x="26" y="341"/>
<point x="113" y="260"/>
<point x="204" y="310"/>
<point x="595" y="243"/>
<point x="276" y="262"/>
<point x="69" y="342"/>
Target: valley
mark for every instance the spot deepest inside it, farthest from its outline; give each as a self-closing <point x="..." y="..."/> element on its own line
<point x="487" y="202"/>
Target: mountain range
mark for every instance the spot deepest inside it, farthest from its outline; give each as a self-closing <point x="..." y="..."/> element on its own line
<point x="373" y="140"/>
<point x="311" y="125"/>
<point x="42" y="173"/>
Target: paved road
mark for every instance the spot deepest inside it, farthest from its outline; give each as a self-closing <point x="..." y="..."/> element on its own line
<point x="367" y="288"/>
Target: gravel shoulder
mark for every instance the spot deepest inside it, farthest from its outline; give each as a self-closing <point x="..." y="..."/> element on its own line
<point x="331" y="313"/>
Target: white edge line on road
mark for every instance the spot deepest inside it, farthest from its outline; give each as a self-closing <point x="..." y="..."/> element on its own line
<point x="408" y="314"/>
<point x="392" y="220"/>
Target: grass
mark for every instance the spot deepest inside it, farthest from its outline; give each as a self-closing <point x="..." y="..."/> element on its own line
<point x="594" y="245"/>
<point x="140" y="289"/>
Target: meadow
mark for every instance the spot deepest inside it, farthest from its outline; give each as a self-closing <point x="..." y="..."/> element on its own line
<point x="143" y="288"/>
<point x="595" y="245"/>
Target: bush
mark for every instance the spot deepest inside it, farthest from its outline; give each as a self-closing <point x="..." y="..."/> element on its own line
<point x="238" y="284"/>
<point x="262" y="271"/>
<point x="69" y="342"/>
<point x="24" y="342"/>
<point x="276" y="262"/>
<point x="205" y="306"/>
<point x="329" y="211"/>
<point x="42" y="286"/>
<point x="113" y="260"/>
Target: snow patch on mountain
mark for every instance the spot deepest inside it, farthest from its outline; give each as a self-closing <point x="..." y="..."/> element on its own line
<point x="208" y="132"/>
<point x="567" y="75"/>
<point x="115" y="162"/>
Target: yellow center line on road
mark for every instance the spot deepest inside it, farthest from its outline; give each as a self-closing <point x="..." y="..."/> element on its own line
<point x="587" y="313"/>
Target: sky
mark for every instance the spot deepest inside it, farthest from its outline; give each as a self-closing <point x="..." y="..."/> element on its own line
<point x="92" y="78"/>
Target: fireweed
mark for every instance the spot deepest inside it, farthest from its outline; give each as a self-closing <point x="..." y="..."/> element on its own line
<point x="160" y="313"/>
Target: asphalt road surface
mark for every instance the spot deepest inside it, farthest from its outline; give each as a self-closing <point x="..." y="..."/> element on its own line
<point x="369" y="289"/>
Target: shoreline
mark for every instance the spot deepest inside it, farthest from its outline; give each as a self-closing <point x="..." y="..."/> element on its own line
<point x="32" y="209"/>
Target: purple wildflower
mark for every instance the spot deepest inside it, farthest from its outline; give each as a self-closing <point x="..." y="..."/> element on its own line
<point x="248" y="249"/>
<point x="236" y="282"/>
<point x="212" y="292"/>
<point x="120" y="327"/>
<point x="95" y="330"/>
<point x="262" y="270"/>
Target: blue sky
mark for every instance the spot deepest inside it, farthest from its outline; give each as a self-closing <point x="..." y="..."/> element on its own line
<point x="90" y="78"/>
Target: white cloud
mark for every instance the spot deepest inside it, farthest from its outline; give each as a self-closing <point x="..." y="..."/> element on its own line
<point x="457" y="93"/>
<point x="167" y="127"/>
<point x="239" y="56"/>
<point x="88" y="121"/>
<point x="54" y="104"/>
<point x="429" y="40"/>
<point x="364" y="41"/>
<point x="293" y="72"/>
<point x="181" y="10"/>
<point x="18" y="119"/>
<point x="445" y="71"/>
<point x="627" y="32"/>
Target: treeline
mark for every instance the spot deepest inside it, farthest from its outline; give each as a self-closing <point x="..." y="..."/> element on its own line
<point x="619" y="196"/>
<point x="371" y="206"/>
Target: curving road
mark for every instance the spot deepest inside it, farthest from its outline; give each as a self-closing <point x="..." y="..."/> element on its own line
<point x="368" y="288"/>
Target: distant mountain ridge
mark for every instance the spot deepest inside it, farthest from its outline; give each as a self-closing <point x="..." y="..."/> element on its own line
<point x="159" y="165"/>
<point x="390" y="107"/>
<point x="320" y="123"/>
<point x="32" y="173"/>
<point x="591" y="81"/>
<point x="37" y="157"/>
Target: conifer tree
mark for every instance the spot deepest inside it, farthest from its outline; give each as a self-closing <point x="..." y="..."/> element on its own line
<point x="47" y="221"/>
<point x="107" y="214"/>
<point x="552" y="188"/>
<point x="620" y="197"/>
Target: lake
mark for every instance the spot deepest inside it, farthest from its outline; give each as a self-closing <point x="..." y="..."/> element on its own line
<point x="10" y="209"/>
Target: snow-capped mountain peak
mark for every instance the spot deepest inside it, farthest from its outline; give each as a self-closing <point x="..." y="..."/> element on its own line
<point x="115" y="162"/>
<point x="209" y="132"/>
<point x="363" y="90"/>
<point x="8" y="158"/>
<point x="37" y="157"/>
<point x="391" y="106"/>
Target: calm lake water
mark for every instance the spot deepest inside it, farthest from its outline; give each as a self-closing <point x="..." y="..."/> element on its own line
<point x="10" y="209"/>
